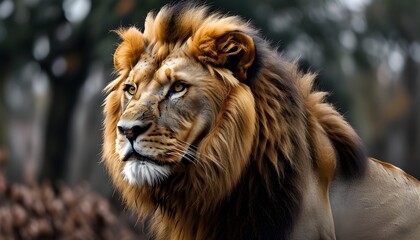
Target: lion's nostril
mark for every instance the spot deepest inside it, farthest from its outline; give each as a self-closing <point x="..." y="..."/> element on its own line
<point x="132" y="133"/>
<point x="137" y="130"/>
<point x="120" y="130"/>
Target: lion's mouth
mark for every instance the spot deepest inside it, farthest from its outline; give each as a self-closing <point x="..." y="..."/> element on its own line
<point x="134" y="156"/>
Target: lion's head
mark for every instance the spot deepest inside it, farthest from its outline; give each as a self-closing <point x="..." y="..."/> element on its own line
<point x="179" y="108"/>
<point x="205" y="117"/>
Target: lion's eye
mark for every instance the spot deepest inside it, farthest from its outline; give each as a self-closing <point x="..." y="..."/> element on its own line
<point x="178" y="87"/>
<point x="130" y="89"/>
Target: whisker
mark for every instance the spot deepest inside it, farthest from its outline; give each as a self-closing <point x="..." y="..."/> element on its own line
<point x="190" y="152"/>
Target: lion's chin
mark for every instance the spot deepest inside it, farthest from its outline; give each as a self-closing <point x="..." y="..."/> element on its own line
<point x="139" y="173"/>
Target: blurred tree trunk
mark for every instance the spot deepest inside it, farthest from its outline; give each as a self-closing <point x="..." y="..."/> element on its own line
<point x="63" y="99"/>
<point x="64" y="94"/>
<point x="411" y="78"/>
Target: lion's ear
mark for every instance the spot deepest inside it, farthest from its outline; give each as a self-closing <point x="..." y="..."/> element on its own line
<point x="233" y="50"/>
<point x="129" y="50"/>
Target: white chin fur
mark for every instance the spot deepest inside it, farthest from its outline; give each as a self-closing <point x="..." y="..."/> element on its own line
<point x="140" y="173"/>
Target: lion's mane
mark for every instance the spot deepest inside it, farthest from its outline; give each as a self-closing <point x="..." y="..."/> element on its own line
<point x="253" y="189"/>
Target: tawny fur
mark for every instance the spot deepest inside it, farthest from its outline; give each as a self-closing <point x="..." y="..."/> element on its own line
<point x="270" y="132"/>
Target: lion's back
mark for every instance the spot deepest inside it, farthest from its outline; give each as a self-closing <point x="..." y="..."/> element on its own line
<point x="382" y="204"/>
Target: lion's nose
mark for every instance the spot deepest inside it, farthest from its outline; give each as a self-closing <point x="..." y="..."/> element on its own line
<point x="132" y="132"/>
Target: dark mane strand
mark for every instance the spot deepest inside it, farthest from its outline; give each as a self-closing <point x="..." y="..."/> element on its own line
<point x="351" y="157"/>
<point x="263" y="213"/>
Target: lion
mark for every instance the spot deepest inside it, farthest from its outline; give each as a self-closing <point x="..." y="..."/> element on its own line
<point x="211" y="134"/>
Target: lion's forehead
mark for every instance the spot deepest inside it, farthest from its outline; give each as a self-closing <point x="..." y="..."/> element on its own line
<point x="144" y="70"/>
<point x="148" y="71"/>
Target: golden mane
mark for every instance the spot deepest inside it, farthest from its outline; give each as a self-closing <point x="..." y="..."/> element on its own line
<point x="256" y="169"/>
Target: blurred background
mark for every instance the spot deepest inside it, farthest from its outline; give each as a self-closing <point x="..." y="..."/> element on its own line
<point x="56" y="57"/>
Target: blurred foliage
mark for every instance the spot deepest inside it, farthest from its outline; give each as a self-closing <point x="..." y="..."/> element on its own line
<point x="366" y="52"/>
<point x="57" y="212"/>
